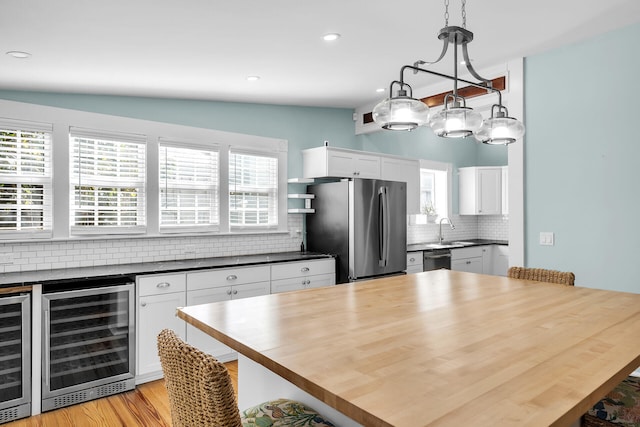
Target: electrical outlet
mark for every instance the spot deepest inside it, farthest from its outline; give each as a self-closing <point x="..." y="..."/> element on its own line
<point x="546" y="238"/>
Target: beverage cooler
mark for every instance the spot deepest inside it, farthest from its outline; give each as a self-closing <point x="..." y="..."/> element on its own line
<point x="88" y="341"/>
<point x="15" y="357"/>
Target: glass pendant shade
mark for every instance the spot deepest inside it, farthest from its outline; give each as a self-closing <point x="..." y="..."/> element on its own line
<point x="401" y="113"/>
<point x="500" y="131"/>
<point x="455" y="122"/>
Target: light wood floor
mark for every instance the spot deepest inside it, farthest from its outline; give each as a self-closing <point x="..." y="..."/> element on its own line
<point x="146" y="406"/>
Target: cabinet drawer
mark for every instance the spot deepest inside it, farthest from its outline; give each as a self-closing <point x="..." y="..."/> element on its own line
<point x="302" y="268"/>
<point x="226" y="277"/>
<point x="161" y="284"/>
<point x="414" y="258"/>
<point x="472" y="251"/>
<point x="298" y="283"/>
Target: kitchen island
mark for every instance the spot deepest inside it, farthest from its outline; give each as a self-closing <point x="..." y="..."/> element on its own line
<point x="438" y="348"/>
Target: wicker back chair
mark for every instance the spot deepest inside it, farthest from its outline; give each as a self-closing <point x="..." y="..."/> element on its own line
<point x="201" y="392"/>
<point x="542" y="275"/>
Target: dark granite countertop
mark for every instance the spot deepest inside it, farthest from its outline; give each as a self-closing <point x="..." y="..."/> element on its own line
<point x="462" y="244"/>
<point x="130" y="270"/>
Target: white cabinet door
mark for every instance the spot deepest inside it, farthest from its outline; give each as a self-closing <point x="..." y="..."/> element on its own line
<point x="202" y="340"/>
<point x="414" y="262"/>
<point x="352" y="165"/>
<point x="500" y="260"/>
<point x="294" y="276"/>
<point x="487" y="259"/>
<point x="155" y="313"/>
<point x="322" y="162"/>
<point x="490" y="191"/>
<point x="157" y="298"/>
<point x="302" y="282"/>
<point x="408" y="171"/>
<point x="480" y="191"/>
<point x="471" y="265"/>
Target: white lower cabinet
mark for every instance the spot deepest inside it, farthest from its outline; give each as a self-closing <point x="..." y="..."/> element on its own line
<point x="414" y="262"/>
<point x="294" y="276"/>
<point x="208" y="286"/>
<point x="486" y="259"/>
<point x="500" y="260"/>
<point x="467" y="259"/>
<point x="157" y="297"/>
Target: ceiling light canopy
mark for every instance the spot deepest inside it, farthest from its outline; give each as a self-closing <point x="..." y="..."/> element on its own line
<point x="403" y="112"/>
<point x="331" y="37"/>
<point x="19" y="54"/>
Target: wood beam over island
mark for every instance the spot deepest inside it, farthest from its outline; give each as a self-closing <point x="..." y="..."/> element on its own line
<point x="438" y="348"/>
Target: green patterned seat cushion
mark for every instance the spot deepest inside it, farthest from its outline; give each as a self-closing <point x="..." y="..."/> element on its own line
<point x="622" y="405"/>
<point x="281" y="413"/>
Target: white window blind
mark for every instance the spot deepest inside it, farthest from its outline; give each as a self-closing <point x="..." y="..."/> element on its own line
<point x="25" y="179"/>
<point x="253" y="190"/>
<point x="107" y="182"/>
<point x="189" y="188"/>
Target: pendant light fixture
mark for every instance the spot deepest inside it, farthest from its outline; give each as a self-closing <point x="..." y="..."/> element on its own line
<point x="403" y="112"/>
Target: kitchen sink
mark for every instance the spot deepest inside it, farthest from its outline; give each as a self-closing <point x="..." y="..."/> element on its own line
<point x="444" y="245"/>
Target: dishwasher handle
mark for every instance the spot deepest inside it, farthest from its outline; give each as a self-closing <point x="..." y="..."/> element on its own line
<point x="438" y="256"/>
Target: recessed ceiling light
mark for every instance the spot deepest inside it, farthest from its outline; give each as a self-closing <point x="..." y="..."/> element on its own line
<point x="253" y="78"/>
<point x="331" y="37"/>
<point x="19" y="54"/>
<point x="380" y="89"/>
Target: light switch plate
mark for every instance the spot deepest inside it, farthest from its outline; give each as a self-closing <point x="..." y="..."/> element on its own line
<point x="546" y="238"/>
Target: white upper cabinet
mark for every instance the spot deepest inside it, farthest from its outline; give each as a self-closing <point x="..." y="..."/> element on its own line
<point x="404" y="170"/>
<point x="322" y="162"/>
<point x="480" y="191"/>
<point x="331" y="162"/>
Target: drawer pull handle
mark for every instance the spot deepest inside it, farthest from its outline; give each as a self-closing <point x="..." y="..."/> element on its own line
<point x="163" y="285"/>
<point x="144" y="304"/>
<point x="235" y="292"/>
<point x="412" y="259"/>
<point x="232" y="277"/>
<point x="304" y="269"/>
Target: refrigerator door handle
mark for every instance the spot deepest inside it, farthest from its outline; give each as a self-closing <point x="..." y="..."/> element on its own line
<point x="383" y="226"/>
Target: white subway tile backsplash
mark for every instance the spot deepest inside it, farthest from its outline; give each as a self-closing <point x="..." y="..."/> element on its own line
<point x="28" y="256"/>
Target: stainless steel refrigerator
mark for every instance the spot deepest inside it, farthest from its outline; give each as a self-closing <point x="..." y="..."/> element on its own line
<point x="364" y="223"/>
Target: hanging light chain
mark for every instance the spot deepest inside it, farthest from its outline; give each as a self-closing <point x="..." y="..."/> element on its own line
<point x="464" y="14"/>
<point x="446" y="13"/>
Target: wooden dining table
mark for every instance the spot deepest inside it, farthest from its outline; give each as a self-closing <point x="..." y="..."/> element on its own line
<point x="438" y="348"/>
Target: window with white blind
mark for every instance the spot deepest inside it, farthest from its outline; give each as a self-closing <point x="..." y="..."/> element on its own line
<point x="253" y="190"/>
<point x="107" y="182"/>
<point x="25" y="179"/>
<point x="189" y="188"/>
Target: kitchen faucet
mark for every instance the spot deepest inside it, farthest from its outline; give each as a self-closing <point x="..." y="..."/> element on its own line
<point x="453" y="227"/>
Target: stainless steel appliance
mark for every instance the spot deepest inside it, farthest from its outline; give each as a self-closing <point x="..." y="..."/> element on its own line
<point x="436" y="259"/>
<point x="88" y="341"/>
<point x="364" y="223"/>
<point x="15" y="357"/>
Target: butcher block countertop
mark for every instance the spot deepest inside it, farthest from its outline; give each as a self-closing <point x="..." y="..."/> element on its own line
<point x="439" y="348"/>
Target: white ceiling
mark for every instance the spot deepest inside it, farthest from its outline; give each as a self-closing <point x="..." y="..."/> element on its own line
<point x="205" y="49"/>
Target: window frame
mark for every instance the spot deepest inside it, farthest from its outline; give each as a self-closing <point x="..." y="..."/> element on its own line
<point x="272" y="192"/>
<point x="215" y="187"/>
<point x="45" y="180"/>
<point x="63" y="119"/>
<point x="443" y="192"/>
<point x="98" y="181"/>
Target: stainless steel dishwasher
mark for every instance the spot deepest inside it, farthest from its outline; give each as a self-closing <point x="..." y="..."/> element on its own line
<point x="436" y="259"/>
